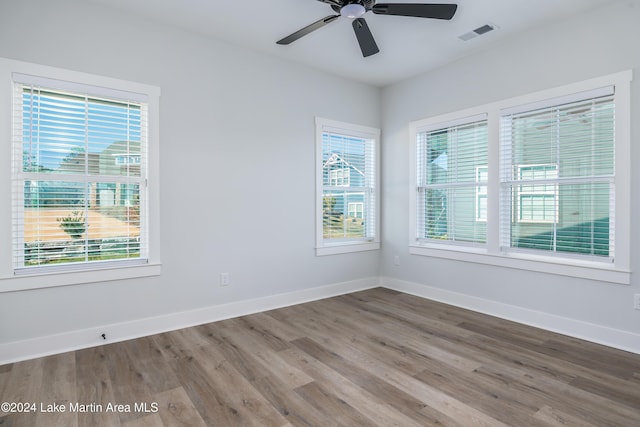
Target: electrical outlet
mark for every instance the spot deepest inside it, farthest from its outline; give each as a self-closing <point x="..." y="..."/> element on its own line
<point x="225" y="279"/>
<point x="636" y="301"/>
<point x="396" y="260"/>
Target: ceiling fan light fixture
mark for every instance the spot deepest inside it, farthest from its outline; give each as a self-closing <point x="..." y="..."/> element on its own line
<point x="353" y="10"/>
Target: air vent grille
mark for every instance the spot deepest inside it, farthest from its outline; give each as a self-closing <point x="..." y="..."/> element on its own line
<point x="477" y="32"/>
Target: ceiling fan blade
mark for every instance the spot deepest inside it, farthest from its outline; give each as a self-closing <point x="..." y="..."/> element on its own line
<point x="368" y="45"/>
<point x="433" y="10"/>
<point x="306" y="30"/>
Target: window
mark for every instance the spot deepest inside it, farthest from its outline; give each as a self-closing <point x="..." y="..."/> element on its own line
<point x="347" y="187"/>
<point x="356" y="210"/>
<point x="339" y="177"/>
<point x="451" y="181"/>
<point x="558" y="175"/>
<point x="550" y="193"/>
<point x="80" y="174"/>
<point x="536" y="198"/>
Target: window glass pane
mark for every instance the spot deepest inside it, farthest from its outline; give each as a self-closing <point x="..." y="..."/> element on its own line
<point x="70" y="134"/>
<point x="343" y="159"/>
<point x="452" y="190"/>
<point x="73" y="222"/>
<point x="114" y="138"/>
<point x="582" y="224"/>
<point x="53" y="132"/>
<point x="348" y="163"/>
<point x="337" y="221"/>
<point x="450" y="215"/>
<point x="562" y="163"/>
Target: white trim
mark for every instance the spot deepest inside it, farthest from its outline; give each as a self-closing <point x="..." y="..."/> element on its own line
<point x="347" y="247"/>
<point x="91" y="337"/>
<point x="466" y="117"/>
<point x="616" y="338"/>
<point x="559" y="101"/>
<point x="55" y="279"/>
<point x="598" y="271"/>
<point x="72" y="86"/>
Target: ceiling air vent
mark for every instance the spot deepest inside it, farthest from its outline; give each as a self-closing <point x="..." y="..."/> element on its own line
<point x="477" y="32"/>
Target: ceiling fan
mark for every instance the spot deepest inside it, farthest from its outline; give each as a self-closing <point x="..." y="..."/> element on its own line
<point x="355" y="9"/>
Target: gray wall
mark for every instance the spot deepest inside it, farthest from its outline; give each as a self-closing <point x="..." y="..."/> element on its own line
<point x="594" y="44"/>
<point x="236" y="126"/>
<point x="234" y="119"/>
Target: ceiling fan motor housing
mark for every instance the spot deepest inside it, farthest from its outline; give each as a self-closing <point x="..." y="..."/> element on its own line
<point x="367" y="4"/>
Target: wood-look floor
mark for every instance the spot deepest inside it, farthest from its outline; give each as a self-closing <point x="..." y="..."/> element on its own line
<point x="373" y="358"/>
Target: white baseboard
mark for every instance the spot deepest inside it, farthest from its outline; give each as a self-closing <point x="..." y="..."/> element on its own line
<point x="91" y="337"/>
<point x="616" y="338"/>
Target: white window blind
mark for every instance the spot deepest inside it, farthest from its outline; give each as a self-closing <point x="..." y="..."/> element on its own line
<point x="558" y="177"/>
<point x="348" y="187"/>
<point x="451" y="191"/>
<point x="79" y="177"/>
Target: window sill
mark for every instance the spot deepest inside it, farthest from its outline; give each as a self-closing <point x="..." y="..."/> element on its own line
<point x="344" y="248"/>
<point x="37" y="281"/>
<point x="543" y="264"/>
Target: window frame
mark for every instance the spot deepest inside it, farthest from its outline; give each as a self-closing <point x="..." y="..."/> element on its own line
<point x="93" y="86"/>
<point x="347" y="245"/>
<point x="616" y="270"/>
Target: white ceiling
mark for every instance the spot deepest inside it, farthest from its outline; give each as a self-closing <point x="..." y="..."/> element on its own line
<point x="408" y="46"/>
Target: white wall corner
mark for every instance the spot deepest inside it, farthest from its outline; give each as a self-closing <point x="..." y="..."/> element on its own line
<point x="616" y="338"/>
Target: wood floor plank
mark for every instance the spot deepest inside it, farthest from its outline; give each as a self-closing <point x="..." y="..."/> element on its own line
<point x="5" y="371"/>
<point x="601" y="359"/>
<point x="58" y="388"/>
<point x="622" y="393"/>
<point x="498" y="403"/>
<point x="356" y="396"/>
<point x="260" y="332"/>
<point x="342" y="414"/>
<point x="206" y="396"/>
<point x="563" y="397"/>
<point x="219" y="388"/>
<point x="290" y="404"/>
<point x="402" y="339"/>
<point x="148" y="360"/>
<point x="151" y="420"/>
<point x="94" y="389"/>
<point x="376" y="357"/>
<point x="176" y="409"/>
<point x="412" y="407"/>
<point x="126" y="382"/>
<point x="558" y="418"/>
<point x="284" y="330"/>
